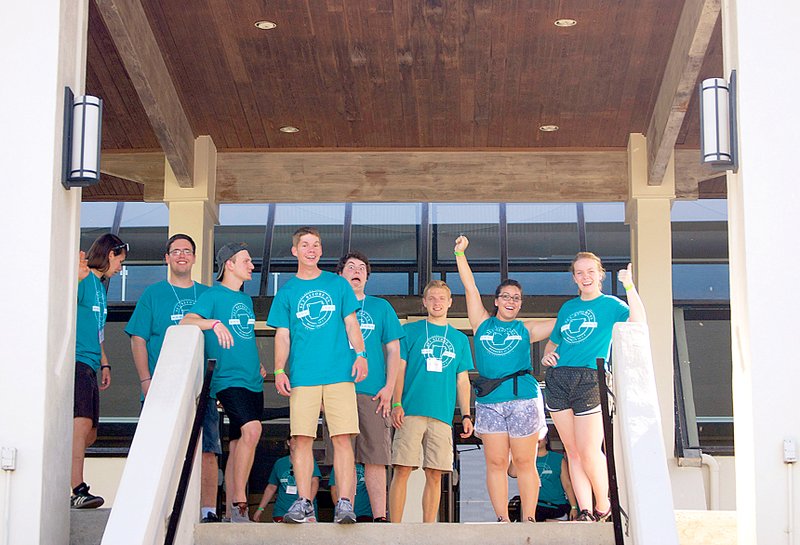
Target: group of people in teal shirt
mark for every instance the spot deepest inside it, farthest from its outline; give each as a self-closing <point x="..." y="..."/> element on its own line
<point x="346" y="353"/>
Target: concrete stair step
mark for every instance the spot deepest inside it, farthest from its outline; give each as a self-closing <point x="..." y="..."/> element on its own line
<point x="552" y="533"/>
<point x="86" y="526"/>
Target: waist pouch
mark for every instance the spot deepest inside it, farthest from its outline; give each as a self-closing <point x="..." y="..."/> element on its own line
<point x="485" y="386"/>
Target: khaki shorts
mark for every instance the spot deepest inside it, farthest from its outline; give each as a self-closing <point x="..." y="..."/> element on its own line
<point x="374" y="443"/>
<point x="341" y="412"/>
<point x="422" y="435"/>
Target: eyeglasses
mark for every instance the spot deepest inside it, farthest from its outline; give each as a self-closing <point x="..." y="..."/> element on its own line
<point x="119" y="248"/>
<point x="508" y="297"/>
<point x="181" y="251"/>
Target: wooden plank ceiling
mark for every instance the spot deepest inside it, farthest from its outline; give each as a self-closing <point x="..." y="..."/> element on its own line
<point x="378" y="75"/>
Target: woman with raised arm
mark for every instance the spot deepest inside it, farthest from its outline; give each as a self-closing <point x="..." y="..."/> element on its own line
<point x="583" y="334"/>
<point x="509" y="409"/>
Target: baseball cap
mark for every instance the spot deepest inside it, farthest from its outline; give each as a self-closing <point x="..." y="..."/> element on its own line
<point x="225" y="253"/>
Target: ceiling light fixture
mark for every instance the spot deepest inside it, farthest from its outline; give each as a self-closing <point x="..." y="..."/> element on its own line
<point x="265" y="25"/>
<point x="548" y="128"/>
<point x="565" y="22"/>
<point x="289" y="129"/>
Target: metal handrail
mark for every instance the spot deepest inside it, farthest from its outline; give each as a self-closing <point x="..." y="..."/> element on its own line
<point x="191" y="449"/>
<point x="608" y="437"/>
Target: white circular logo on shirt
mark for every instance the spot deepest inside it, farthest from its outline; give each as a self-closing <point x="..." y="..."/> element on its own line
<point x="499" y="340"/>
<point x="366" y="323"/>
<point x="315" y="309"/>
<point x="180" y="309"/>
<point x="579" y="326"/>
<point x="440" y="348"/>
<point x="242" y="321"/>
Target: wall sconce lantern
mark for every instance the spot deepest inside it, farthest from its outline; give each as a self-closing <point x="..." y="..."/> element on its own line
<point x="718" y="134"/>
<point x="83" y="117"/>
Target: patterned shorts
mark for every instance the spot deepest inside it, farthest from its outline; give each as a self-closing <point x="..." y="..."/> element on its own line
<point x="517" y="418"/>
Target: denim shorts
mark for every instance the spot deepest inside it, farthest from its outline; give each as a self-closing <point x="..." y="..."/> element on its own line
<point x="211" y="442"/>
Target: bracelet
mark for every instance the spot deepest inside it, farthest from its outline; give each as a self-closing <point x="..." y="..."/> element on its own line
<point x="144" y="380"/>
<point x="573" y="507"/>
<point x="628" y="287"/>
<point x="397" y="404"/>
<point x="105" y="366"/>
<point x="465" y="417"/>
<point x="215" y="324"/>
<point x="260" y="509"/>
<point x="277" y="372"/>
<point x="458" y="254"/>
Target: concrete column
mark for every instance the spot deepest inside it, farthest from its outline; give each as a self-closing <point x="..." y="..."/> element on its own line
<point x="194" y="210"/>
<point x="763" y="199"/>
<point x="44" y="46"/>
<point x="648" y="213"/>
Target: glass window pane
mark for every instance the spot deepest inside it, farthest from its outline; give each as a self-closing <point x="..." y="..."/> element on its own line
<point x="479" y="222"/>
<point x="709" y="344"/>
<point x="387" y="283"/>
<point x="701" y="281"/>
<point x="539" y="231"/>
<point x="700" y="210"/>
<point x="386" y="231"/>
<point x="243" y="214"/>
<point x="144" y="214"/>
<point x="139" y="277"/>
<point x="327" y="218"/>
<point x="147" y="244"/>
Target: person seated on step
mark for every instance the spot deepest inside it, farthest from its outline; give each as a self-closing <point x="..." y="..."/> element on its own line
<point x="282" y="482"/>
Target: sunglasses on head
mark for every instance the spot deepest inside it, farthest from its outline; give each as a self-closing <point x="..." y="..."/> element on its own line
<point x="119" y="248"/>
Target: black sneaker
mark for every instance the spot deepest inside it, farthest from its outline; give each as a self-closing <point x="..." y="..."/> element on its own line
<point x="585" y="516"/>
<point x="82" y="499"/>
<point x="211" y="517"/>
<point x="380" y="519"/>
<point x="603" y="517"/>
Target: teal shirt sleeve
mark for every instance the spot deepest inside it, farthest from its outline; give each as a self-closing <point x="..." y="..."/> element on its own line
<point x="141" y="321"/>
<point x="279" y="311"/>
<point x="465" y="362"/>
<point x="204" y="306"/>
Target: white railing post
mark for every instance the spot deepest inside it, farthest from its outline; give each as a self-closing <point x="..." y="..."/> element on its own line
<point x="150" y="480"/>
<point x="645" y="488"/>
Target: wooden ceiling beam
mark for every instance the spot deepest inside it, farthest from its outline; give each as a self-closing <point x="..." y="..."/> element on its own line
<point x="411" y="176"/>
<point x="137" y="46"/>
<point x="678" y="84"/>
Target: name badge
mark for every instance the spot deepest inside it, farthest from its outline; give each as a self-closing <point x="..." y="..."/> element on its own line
<point x="291" y="489"/>
<point x="176" y="317"/>
<point x="101" y="335"/>
<point x="434" y="365"/>
<point x="234" y="321"/>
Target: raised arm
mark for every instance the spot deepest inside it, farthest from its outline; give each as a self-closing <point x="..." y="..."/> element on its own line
<point x="634" y="301"/>
<point x="476" y="312"/>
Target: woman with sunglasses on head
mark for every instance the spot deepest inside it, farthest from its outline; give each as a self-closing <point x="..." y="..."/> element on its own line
<point x="103" y="261"/>
<point x="509" y="410"/>
<point x="581" y="335"/>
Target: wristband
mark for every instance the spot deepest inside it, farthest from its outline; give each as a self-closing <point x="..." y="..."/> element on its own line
<point x="398" y="404"/>
<point x="628" y="287"/>
<point x="105" y="366"/>
<point x="260" y="509"/>
<point x="362" y="354"/>
<point x="465" y="417"/>
<point x="144" y="380"/>
<point x="458" y="254"/>
<point x="215" y="324"/>
<point x="278" y="372"/>
<point x="573" y="507"/>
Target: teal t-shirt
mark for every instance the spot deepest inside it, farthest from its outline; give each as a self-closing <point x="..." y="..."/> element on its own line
<point x="434" y="356"/>
<point x="161" y="305"/>
<point x="361" y="505"/>
<point x="379" y="326"/>
<point x="282" y="476"/>
<point x="583" y="330"/>
<point x="551" y="491"/>
<point x="91" y="321"/>
<point x="237" y="366"/>
<point x="314" y="311"/>
<point x="502" y="348"/>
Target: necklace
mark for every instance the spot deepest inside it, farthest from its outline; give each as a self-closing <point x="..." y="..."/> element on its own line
<point x="100" y="299"/>
<point x="194" y="292"/>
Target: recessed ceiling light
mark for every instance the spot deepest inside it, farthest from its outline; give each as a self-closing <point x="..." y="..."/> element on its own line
<point x="548" y="128"/>
<point x="265" y="25"/>
<point x="289" y="129"/>
<point x="565" y="22"/>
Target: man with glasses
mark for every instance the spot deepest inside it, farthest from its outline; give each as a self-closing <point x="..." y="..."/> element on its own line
<point x="164" y="304"/>
<point x="381" y="331"/>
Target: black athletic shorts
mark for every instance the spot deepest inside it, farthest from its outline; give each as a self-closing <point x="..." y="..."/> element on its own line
<point x="87" y="394"/>
<point x="572" y="388"/>
<point x="242" y="406"/>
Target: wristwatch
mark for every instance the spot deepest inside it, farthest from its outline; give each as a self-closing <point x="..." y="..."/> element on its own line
<point x="363" y="354"/>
